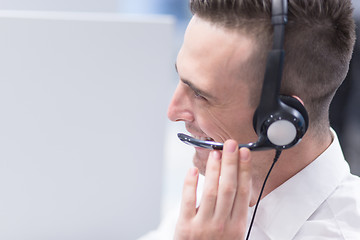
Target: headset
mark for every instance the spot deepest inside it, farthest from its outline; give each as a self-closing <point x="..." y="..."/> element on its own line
<point x="279" y="121"/>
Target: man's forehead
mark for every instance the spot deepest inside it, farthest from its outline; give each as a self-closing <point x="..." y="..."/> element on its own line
<point x="203" y="37"/>
<point x="209" y="48"/>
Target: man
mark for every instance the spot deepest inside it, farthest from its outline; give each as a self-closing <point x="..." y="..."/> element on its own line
<point x="310" y="193"/>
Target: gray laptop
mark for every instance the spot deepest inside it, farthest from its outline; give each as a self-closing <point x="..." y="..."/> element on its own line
<point x="83" y="101"/>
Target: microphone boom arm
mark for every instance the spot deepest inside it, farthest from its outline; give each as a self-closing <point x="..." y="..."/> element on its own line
<point x="260" y="145"/>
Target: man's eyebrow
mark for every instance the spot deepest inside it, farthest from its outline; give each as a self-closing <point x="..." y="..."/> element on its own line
<point x="194" y="88"/>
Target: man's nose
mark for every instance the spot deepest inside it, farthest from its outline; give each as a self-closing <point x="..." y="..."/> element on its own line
<point x="180" y="106"/>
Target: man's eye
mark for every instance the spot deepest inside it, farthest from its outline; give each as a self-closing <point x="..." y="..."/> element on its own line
<point x="199" y="96"/>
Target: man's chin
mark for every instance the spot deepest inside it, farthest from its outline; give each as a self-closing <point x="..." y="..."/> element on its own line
<point x="200" y="159"/>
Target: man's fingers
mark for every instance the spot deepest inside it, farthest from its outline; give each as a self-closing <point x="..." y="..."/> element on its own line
<point x="228" y="181"/>
<point x="210" y="190"/>
<point x="243" y="193"/>
<point x="225" y="200"/>
<point x="188" y="202"/>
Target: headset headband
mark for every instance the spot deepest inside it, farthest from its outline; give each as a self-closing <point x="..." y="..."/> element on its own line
<point x="269" y="100"/>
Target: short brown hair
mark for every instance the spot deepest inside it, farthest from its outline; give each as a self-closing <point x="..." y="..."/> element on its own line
<point x="319" y="39"/>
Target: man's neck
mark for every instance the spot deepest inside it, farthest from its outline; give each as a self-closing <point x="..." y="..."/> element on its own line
<point x="290" y="163"/>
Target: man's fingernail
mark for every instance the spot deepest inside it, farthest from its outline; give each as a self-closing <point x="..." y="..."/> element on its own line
<point x="216" y="155"/>
<point x="230" y="146"/>
<point x="194" y="171"/>
<point x="244" y="154"/>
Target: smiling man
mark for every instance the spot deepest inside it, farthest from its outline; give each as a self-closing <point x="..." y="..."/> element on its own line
<point x="210" y="99"/>
<point x="310" y="193"/>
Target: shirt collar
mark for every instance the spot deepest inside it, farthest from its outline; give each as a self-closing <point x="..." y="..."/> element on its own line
<point x="283" y="211"/>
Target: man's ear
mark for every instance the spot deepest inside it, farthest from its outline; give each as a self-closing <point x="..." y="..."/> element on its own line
<point x="299" y="99"/>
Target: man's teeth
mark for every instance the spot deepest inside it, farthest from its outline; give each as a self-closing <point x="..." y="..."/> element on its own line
<point x="203" y="138"/>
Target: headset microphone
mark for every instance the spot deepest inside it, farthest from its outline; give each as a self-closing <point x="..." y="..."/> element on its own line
<point x="259" y="145"/>
<point x="279" y="121"/>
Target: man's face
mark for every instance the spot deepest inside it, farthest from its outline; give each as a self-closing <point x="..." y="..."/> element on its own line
<point x="212" y="97"/>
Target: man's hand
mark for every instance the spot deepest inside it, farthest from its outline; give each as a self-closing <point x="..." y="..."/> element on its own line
<point x="223" y="209"/>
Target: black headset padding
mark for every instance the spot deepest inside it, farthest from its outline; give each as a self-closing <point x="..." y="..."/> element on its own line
<point x="296" y="104"/>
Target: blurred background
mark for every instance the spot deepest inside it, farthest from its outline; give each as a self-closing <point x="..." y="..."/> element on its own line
<point x="56" y="181"/>
<point x="85" y="140"/>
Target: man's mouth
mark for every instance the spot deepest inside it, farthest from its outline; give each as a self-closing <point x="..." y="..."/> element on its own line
<point x="203" y="138"/>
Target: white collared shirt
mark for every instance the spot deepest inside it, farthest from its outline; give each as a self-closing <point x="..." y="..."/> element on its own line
<point x="320" y="202"/>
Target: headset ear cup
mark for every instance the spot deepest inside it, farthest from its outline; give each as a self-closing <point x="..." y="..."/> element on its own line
<point x="296" y="104"/>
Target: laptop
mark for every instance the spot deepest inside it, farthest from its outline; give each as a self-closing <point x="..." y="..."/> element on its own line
<point x="83" y="100"/>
